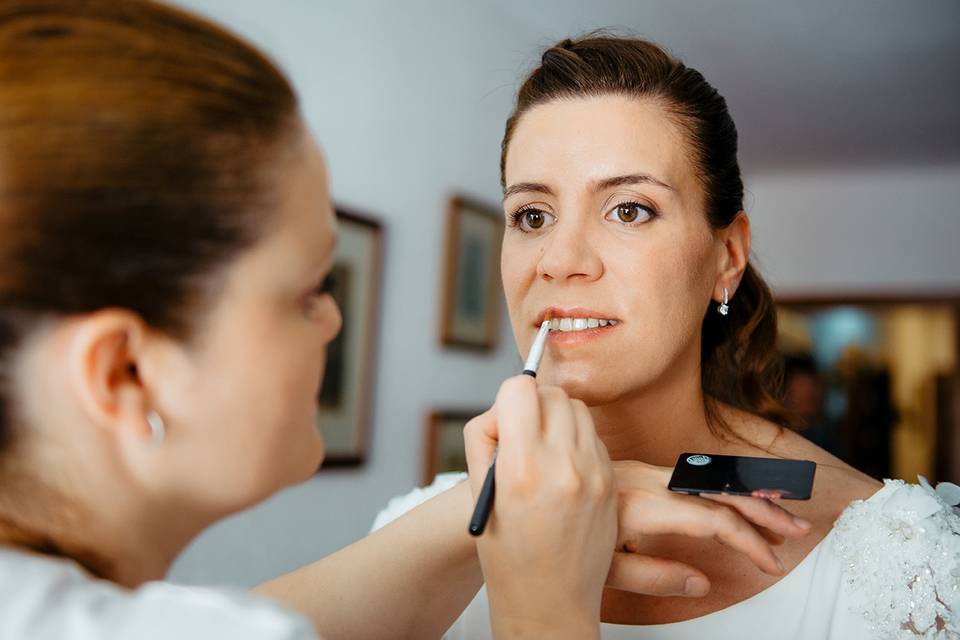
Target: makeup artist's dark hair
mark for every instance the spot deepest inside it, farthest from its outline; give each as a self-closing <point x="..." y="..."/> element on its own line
<point x="136" y="142"/>
<point x="740" y="364"/>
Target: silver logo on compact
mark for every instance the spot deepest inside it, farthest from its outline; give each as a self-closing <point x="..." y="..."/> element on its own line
<point x="699" y="460"/>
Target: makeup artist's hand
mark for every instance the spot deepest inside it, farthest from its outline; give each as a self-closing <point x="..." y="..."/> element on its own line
<point x="547" y="547"/>
<point x="647" y="508"/>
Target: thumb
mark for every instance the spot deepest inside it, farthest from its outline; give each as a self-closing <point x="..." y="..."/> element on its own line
<point x="656" y="576"/>
<point x="480" y="438"/>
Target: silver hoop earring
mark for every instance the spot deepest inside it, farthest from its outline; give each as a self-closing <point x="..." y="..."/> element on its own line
<point x="158" y="431"/>
<point x="724" y="308"/>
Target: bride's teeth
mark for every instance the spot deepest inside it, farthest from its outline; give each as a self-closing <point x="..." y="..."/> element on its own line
<point x="579" y="324"/>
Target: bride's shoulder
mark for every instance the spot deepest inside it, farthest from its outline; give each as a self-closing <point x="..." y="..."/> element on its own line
<point x="836" y="484"/>
<point x="896" y="545"/>
<point x="900" y="556"/>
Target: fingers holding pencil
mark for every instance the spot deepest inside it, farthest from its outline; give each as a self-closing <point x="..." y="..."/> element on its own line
<point x="553" y="526"/>
<point x="487" y="493"/>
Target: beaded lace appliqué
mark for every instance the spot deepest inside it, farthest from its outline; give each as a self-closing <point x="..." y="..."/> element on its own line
<point x="901" y="560"/>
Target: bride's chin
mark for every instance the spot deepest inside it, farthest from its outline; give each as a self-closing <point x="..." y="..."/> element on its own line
<point x="592" y="391"/>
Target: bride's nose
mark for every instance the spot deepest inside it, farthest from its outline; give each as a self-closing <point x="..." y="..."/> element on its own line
<point x="569" y="255"/>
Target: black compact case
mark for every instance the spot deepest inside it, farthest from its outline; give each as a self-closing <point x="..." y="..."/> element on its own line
<point x="697" y="473"/>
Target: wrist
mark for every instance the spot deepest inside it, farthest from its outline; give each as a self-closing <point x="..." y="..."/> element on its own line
<point x="456" y="511"/>
<point x="564" y="625"/>
<point x="525" y="615"/>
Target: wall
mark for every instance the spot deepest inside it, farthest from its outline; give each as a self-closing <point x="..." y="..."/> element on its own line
<point x="893" y="229"/>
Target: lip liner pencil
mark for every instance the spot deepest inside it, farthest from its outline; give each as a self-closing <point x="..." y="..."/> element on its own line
<point x="481" y="513"/>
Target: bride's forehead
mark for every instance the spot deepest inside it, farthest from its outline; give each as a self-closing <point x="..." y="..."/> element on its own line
<point x="595" y="138"/>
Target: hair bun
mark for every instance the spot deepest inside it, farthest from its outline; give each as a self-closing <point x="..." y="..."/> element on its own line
<point x="560" y="50"/>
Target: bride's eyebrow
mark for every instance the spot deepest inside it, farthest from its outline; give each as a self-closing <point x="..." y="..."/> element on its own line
<point x="600" y="185"/>
<point x="633" y="178"/>
<point x="524" y="187"/>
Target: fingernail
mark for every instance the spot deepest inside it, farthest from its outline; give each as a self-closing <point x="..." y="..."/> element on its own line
<point x="780" y="564"/>
<point x="695" y="586"/>
<point x="800" y="522"/>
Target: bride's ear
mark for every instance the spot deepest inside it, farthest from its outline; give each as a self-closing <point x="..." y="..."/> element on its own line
<point x="733" y="255"/>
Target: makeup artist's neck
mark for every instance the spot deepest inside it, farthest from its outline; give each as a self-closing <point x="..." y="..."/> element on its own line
<point x="657" y="424"/>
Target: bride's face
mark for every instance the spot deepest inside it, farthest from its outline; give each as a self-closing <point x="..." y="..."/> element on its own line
<point x="606" y="230"/>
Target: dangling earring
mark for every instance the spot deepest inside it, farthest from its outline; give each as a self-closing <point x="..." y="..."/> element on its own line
<point x="724" y="309"/>
<point x="158" y="430"/>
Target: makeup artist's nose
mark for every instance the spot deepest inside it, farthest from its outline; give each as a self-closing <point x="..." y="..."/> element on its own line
<point x="568" y="255"/>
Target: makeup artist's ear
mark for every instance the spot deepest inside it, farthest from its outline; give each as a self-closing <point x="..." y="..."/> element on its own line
<point x="102" y="353"/>
<point x="733" y="255"/>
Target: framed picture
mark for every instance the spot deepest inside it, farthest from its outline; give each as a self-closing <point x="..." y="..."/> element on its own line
<point x="470" y="309"/>
<point x="444" y="442"/>
<point x="344" y="400"/>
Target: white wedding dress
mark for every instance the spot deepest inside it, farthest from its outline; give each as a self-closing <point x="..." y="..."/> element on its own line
<point x="889" y="568"/>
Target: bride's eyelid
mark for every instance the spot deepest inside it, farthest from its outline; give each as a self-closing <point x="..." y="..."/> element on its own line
<point x="621" y="198"/>
<point x="526" y="206"/>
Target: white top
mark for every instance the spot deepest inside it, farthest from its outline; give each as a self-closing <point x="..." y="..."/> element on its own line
<point x="45" y="598"/>
<point x="889" y="568"/>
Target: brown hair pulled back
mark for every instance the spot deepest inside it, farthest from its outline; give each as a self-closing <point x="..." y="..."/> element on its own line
<point x="136" y="142"/>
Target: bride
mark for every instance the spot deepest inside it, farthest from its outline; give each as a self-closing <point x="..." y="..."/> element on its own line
<point x="624" y="207"/>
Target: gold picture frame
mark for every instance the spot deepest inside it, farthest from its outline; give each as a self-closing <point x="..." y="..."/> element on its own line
<point x="444" y="451"/>
<point x="470" y="307"/>
<point x="343" y="402"/>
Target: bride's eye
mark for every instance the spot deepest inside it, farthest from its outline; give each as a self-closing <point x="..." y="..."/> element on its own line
<point x="630" y="213"/>
<point x="529" y="219"/>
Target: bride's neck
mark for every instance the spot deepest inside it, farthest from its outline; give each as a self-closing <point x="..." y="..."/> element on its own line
<point x="657" y="424"/>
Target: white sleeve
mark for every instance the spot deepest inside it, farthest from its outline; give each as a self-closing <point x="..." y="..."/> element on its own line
<point x="901" y="561"/>
<point x="403" y="503"/>
<point x="47" y="599"/>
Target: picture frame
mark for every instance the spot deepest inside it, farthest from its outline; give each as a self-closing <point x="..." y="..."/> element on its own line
<point x="344" y="399"/>
<point x="470" y="307"/>
<point x="444" y="449"/>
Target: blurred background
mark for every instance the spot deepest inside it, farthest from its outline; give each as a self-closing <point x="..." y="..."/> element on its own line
<point x="849" y="120"/>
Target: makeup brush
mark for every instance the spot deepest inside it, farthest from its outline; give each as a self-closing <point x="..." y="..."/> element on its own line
<point x="481" y="512"/>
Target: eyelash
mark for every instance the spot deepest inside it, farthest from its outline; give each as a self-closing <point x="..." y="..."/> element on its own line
<point x="651" y="212"/>
<point x="326" y="286"/>
<point x="517" y="216"/>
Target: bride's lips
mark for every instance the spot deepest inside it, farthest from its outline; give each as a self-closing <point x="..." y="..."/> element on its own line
<point x="571" y="332"/>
